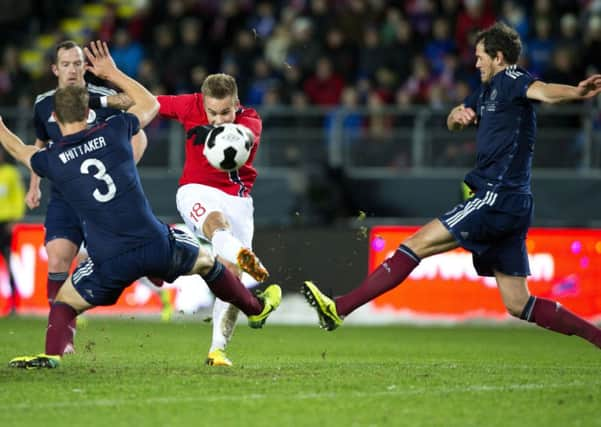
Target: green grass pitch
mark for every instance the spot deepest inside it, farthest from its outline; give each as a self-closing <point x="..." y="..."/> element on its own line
<point x="134" y="372"/>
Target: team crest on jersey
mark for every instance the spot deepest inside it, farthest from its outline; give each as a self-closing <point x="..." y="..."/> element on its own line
<point x="91" y="117"/>
<point x="493" y="95"/>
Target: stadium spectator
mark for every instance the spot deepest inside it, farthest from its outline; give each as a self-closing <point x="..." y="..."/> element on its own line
<point x="64" y="232"/>
<point x="419" y="82"/>
<point x="305" y="49"/>
<point x="263" y="79"/>
<point x="539" y="49"/>
<point x="126" y="240"/>
<point x="592" y="44"/>
<point x="477" y="14"/>
<point x="439" y="46"/>
<point x="342" y="54"/>
<point x="493" y="223"/>
<point x="14" y="80"/>
<point x="372" y="54"/>
<point x="514" y="15"/>
<point x="217" y="206"/>
<point x="12" y="209"/>
<point x="407" y="43"/>
<point x="276" y="48"/>
<point x="187" y="54"/>
<point x="325" y="86"/>
<point x="263" y="22"/>
<point x="128" y="53"/>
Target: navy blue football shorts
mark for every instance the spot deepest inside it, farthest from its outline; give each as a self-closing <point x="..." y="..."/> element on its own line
<point x="493" y="226"/>
<point x="62" y="222"/>
<point x="166" y="257"/>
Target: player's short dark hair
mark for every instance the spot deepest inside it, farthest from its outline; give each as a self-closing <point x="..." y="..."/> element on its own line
<point x="66" y="44"/>
<point x="71" y="104"/>
<point x="501" y="38"/>
<point x="220" y="86"/>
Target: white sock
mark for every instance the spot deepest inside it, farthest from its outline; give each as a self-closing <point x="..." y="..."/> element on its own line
<point x="146" y="282"/>
<point x="224" y="322"/>
<point x="226" y="246"/>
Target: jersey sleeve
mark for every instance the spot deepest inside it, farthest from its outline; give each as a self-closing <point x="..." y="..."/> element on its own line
<point x="471" y="100"/>
<point x="251" y="120"/>
<point x="175" y="106"/>
<point x="38" y="122"/>
<point x="129" y="121"/>
<point x="39" y="163"/>
<point x="518" y="82"/>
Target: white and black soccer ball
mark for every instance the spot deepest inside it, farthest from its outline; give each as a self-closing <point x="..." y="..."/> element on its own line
<point x="227" y="147"/>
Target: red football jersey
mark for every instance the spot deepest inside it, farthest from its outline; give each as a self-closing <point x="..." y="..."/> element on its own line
<point x="189" y="111"/>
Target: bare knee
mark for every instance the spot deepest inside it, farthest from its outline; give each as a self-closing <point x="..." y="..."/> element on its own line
<point x="516" y="307"/>
<point x="60" y="255"/>
<point x="514" y="292"/>
<point x="204" y="262"/>
<point x="215" y="221"/>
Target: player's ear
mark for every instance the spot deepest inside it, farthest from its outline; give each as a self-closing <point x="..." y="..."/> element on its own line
<point x="500" y="58"/>
<point x="54" y="69"/>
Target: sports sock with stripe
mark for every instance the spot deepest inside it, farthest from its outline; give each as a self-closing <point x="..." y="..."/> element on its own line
<point x="387" y="276"/>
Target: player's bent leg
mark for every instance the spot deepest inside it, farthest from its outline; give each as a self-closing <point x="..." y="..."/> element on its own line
<point x="230" y="248"/>
<point x="61" y="253"/>
<point x="514" y="292"/>
<point x="431" y="239"/>
<point x="545" y="313"/>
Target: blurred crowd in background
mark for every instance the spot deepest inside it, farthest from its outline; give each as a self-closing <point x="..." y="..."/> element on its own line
<point x="308" y="52"/>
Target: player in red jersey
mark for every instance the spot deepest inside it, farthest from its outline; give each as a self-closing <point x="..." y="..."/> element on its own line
<point x="214" y="204"/>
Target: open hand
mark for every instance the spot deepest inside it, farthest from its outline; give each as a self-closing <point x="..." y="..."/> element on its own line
<point x="101" y="62"/>
<point x="590" y="87"/>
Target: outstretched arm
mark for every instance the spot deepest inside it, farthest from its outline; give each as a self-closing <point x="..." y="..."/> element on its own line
<point x="102" y="65"/>
<point x="554" y="93"/>
<point x="460" y="117"/>
<point x="34" y="194"/>
<point x="15" y="147"/>
<point x="118" y="101"/>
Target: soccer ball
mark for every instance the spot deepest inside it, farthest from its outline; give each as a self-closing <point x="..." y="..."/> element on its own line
<point x="227" y="147"/>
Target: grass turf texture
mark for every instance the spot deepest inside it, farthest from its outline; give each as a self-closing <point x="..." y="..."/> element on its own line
<point x="145" y="373"/>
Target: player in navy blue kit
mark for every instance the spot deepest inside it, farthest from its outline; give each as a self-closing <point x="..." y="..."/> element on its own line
<point x="64" y="234"/>
<point x="95" y="169"/>
<point x="493" y="223"/>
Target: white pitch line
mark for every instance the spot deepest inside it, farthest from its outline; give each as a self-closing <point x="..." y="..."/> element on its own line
<point x="303" y="396"/>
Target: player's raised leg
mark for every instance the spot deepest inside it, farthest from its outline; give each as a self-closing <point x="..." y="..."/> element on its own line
<point x="543" y="312"/>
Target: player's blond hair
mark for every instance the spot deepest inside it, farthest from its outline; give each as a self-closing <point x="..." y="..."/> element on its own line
<point x="220" y="86"/>
<point x="71" y="104"/>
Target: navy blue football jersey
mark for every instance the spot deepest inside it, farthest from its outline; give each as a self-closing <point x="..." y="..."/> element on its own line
<point x="46" y="128"/>
<point x="97" y="175"/>
<point x="506" y="123"/>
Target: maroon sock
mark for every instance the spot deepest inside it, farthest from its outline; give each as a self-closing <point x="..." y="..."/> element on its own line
<point x="59" y="333"/>
<point x="227" y="287"/>
<point x="52" y="288"/>
<point x="552" y="315"/>
<point x="387" y="276"/>
<point x="54" y="283"/>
